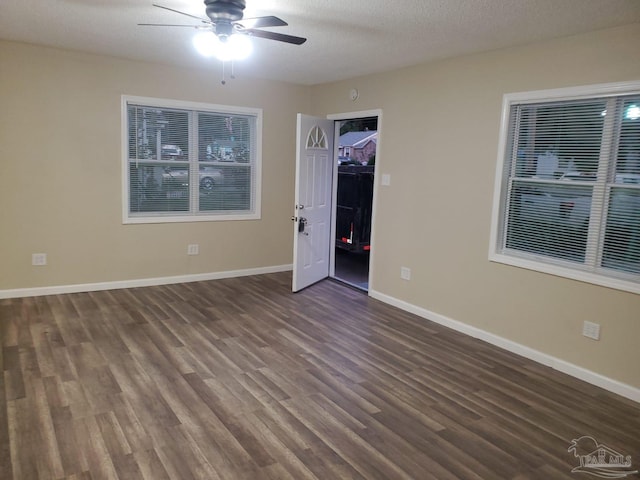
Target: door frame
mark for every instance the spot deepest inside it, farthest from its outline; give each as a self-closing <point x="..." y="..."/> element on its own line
<point x="338" y="117"/>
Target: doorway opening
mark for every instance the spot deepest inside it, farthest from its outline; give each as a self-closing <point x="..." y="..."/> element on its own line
<point x="357" y="146"/>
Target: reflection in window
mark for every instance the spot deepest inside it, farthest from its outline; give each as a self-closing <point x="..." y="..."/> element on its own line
<point x="622" y="236"/>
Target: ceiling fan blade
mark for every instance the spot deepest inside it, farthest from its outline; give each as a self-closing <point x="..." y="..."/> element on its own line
<point x="182" y="13"/>
<point x="262" y="22"/>
<point x="280" y="37"/>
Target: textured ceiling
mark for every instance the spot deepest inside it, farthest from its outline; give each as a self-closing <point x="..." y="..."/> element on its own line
<point x="345" y="38"/>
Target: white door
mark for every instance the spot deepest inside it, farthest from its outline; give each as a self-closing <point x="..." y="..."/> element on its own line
<point x="312" y="212"/>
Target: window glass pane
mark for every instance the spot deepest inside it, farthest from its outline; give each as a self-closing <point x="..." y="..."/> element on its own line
<point x="224" y="137"/>
<point x="628" y="158"/>
<point x="225" y="187"/>
<point x="554" y="139"/>
<point x="153" y="130"/>
<point x="156" y="187"/>
<point x="549" y="219"/>
<point x="622" y="236"/>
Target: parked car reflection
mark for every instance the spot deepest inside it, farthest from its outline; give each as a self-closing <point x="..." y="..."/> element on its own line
<point x="177" y="177"/>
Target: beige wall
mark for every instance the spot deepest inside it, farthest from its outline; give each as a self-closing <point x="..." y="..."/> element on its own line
<point x="60" y="185"/>
<point x="439" y="144"/>
<point x="60" y="178"/>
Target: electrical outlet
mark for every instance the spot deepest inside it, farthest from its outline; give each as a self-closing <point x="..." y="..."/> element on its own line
<point x="38" y="259"/>
<point x="591" y="330"/>
<point x="405" y="273"/>
<point x="193" y="249"/>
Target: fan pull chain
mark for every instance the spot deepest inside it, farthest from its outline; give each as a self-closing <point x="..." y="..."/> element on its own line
<point x="232" y="76"/>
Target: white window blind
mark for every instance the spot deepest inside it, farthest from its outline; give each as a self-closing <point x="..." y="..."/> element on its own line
<point x="570" y="187"/>
<point x="190" y="161"/>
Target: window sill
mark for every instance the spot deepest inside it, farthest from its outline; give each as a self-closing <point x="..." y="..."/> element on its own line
<point x="571" y="273"/>
<point x="189" y="218"/>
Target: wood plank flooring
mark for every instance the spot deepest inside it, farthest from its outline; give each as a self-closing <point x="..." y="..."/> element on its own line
<point x="240" y="379"/>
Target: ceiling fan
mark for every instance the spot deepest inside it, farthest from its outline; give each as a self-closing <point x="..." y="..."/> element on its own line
<point x="225" y="20"/>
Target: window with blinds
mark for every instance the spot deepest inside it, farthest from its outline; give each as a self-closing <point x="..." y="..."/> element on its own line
<point x="568" y="192"/>
<point x="190" y="162"/>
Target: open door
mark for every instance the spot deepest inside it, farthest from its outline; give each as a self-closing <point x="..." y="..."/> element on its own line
<point x="313" y="194"/>
<point x="354" y="184"/>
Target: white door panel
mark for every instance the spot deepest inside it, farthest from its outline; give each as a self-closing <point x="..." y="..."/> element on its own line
<point x="314" y="174"/>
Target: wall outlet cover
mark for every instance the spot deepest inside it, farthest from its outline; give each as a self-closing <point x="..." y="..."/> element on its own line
<point x="38" y="259"/>
<point x="591" y="330"/>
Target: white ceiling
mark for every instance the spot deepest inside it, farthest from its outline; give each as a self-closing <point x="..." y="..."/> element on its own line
<point x="346" y="38"/>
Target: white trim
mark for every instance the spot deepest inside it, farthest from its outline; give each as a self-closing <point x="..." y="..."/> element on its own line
<point x="124" y="153"/>
<point x="186" y="105"/>
<point x="499" y="177"/>
<point x="189" y="218"/>
<point x="623" y="389"/>
<point x="353" y="115"/>
<point x="143" y="282"/>
<point x="334" y="199"/>
<point x="575" y="93"/>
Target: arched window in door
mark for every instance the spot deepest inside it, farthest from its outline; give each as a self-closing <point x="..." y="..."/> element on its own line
<point x="317" y="138"/>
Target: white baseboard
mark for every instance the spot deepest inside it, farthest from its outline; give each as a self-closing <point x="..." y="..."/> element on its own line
<point x="144" y="282"/>
<point x="588" y="376"/>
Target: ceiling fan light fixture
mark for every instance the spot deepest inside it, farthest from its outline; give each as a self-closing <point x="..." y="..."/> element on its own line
<point x="233" y="47"/>
<point x="237" y="47"/>
<point x="205" y="43"/>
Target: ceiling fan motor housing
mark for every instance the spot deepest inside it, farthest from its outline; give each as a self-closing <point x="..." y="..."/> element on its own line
<point x="225" y="10"/>
<point x="224" y="22"/>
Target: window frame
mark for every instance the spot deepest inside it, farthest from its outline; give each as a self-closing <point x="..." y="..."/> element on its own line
<point x="193" y="108"/>
<point x="501" y="180"/>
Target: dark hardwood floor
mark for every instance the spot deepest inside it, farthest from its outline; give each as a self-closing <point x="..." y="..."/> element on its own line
<point x="240" y="379"/>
